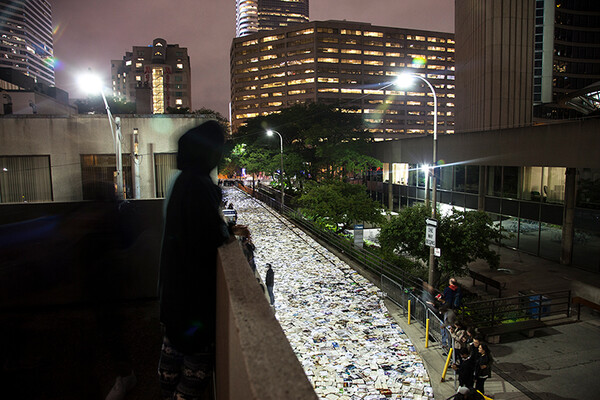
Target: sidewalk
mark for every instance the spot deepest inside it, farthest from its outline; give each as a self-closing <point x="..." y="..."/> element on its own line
<point x="495" y="387"/>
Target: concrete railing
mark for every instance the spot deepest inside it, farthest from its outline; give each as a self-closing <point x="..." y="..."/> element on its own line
<point x="254" y="358"/>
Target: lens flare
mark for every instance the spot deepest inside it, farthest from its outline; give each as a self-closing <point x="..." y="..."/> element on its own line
<point x="419" y="61"/>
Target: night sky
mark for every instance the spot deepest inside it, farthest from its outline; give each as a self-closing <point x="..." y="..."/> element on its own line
<point x="89" y="34"/>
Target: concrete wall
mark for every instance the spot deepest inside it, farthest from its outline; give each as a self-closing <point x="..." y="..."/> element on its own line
<point x="254" y="358"/>
<point x="65" y="139"/>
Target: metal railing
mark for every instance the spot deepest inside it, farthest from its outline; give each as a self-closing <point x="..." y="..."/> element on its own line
<point x="525" y="306"/>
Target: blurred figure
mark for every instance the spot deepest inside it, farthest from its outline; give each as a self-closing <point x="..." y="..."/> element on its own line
<point x="193" y="230"/>
<point x="270" y="282"/>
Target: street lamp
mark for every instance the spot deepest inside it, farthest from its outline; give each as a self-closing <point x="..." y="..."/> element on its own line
<point x="404" y="80"/>
<point x="270" y="132"/>
<point x="93" y="84"/>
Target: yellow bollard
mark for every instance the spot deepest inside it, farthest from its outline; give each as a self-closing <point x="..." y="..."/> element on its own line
<point x="409" y="312"/>
<point x="447" y="363"/>
<point x="427" y="333"/>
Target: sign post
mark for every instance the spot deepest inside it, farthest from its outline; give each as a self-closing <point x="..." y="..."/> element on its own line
<point x="430" y="232"/>
<point x="358" y="235"/>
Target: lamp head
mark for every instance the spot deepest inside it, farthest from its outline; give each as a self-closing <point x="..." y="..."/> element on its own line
<point x="269" y="132"/>
<point x="405" y="80"/>
<point x="90" y="83"/>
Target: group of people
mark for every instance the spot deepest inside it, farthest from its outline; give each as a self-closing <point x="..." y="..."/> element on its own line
<point x="473" y="360"/>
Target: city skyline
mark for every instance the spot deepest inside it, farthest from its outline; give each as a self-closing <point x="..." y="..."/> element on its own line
<point x="87" y="35"/>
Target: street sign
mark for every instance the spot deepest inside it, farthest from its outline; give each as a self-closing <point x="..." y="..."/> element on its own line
<point x="437" y="252"/>
<point x="358" y="235"/>
<point x="430" y="232"/>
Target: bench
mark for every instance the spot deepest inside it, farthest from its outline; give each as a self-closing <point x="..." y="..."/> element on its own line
<point x="492" y="334"/>
<point x="487" y="281"/>
<point x="580" y="301"/>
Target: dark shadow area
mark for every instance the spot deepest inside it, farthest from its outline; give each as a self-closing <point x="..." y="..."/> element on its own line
<point x="518" y="372"/>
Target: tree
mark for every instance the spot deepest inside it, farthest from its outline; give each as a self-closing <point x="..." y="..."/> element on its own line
<point x="319" y="140"/>
<point x="462" y="236"/>
<point x="339" y="204"/>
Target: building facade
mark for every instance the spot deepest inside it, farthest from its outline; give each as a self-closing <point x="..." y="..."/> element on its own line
<point x="351" y="65"/>
<point x="72" y="158"/>
<point x="26" y="29"/>
<point x="494" y="64"/>
<point x="259" y="15"/>
<point x="154" y="77"/>
<point x="540" y="189"/>
<point x="524" y="62"/>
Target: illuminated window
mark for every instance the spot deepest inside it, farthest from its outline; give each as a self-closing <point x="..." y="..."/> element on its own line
<point x="293" y="92"/>
<point x="328" y="60"/>
<point x="179" y="66"/>
<point x="178" y="102"/>
<point x="351" y="51"/>
<point x="371" y="91"/>
<point x="350" y="61"/>
<point x="277" y="94"/>
<point x="158" y="94"/>
<point x="391" y="44"/>
<point x="436" y="67"/>
<point x="328" y="40"/>
<point x="250" y="42"/>
<point x="272" y="85"/>
<point x="272" y="38"/>
<point x="274" y="104"/>
<point x="394" y="54"/>
<point x="373" y="62"/>
<point x="328" y="50"/>
<point x="373" y="34"/>
<point x="328" y="80"/>
<point x="450" y="49"/>
<point x="436" y="48"/>
<point x="373" y="53"/>
<point x="138" y="78"/>
<point x="356" y="91"/>
<point x="350" y="32"/>
<point x="413" y="103"/>
<point x="328" y="90"/>
<point x="128" y="62"/>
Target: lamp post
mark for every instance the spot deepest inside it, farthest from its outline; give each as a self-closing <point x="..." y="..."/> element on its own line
<point x="406" y="79"/>
<point x="270" y="132"/>
<point x="92" y="84"/>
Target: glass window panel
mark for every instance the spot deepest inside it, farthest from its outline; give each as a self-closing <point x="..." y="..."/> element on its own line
<point x="550" y="241"/>
<point x="532" y="184"/>
<point x="472" y="179"/>
<point x="165" y="166"/>
<point x="459" y="178"/>
<point x="511" y="182"/>
<point x="445" y="177"/>
<point x="25" y="179"/>
<point x="97" y="176"/>
<point x="529" y="235"/>
<point x="553" y="181"/>
<point x="586" y="241"/>
<point x="494" y="181"/>
<point x="588" y="188"/>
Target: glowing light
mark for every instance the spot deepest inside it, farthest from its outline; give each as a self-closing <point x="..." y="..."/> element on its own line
<point x="269" y="132"/>
<point x="405" y="80"/>
<point x="90" y="83"/>
<point x="419" y="61"/>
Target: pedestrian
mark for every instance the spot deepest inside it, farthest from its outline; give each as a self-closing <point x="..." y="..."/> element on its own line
<point x="465" y="369"/>
<point x="459" y="336"/>
<point x="483" y="367"/>
<point x="452" y="295"/>
<point x="270" y="281"/>
<point x="474" y="346"/>
<point x="193" y="230"/>
<point x="448" y="320"/>
<point x="248" y="249"/>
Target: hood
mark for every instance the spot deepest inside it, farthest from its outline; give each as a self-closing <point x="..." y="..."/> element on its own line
<point x="201" y="147"/>
<point x="453" y="287"/>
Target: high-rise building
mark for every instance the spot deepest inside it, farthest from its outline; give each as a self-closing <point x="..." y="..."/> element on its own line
<point x="259" y="15"/>
<point x="566" y="56"/>
<point x="154" y="77"/>
<point x="518" y="63"/>
<point x="351" y="65"/>
<point x="26" y="29"/>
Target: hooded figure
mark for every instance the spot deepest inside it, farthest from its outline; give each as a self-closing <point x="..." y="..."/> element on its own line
<point x="193" y="231"/>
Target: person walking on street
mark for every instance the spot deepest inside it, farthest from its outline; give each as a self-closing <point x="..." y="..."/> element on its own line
<point x="270" y="281"/>
<point x="483" y="367"/>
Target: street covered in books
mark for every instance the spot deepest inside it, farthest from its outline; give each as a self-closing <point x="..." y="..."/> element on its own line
<point x="335" y="320"/>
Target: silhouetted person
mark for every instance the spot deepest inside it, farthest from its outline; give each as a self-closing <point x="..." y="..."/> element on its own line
<point x="194" y="229"/>
<point x="270" y="282"/>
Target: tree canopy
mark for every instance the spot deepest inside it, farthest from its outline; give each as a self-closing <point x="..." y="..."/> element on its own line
<point x="339" y="204"/>
<point x="462" y="236"/>
<point x="319" y="142"/>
